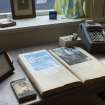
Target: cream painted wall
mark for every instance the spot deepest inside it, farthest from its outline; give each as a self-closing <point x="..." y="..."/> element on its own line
<point x="12" y="39"/>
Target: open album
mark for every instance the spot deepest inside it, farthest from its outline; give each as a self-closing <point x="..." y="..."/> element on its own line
<point x="82" y="64"/>
<point x="47" y="74"/>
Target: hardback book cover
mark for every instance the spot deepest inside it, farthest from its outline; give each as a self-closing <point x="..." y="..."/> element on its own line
<point x="82" y="64"/>
<point x="47" y="74"/>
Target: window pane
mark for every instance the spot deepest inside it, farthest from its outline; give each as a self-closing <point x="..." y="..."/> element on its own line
<point x="45" y="4"/>
<point x="40" y="5"/>
<point x="41" y="1"/>
<point x="4" y="6"/>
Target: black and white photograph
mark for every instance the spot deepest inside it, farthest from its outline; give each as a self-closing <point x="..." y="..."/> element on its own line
<point x="23" y="4"/>
<point x="23" y="9"/>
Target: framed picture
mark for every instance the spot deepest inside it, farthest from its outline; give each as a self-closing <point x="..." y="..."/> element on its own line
<point x="23" y="9"/>
<point x="6" y="65"/>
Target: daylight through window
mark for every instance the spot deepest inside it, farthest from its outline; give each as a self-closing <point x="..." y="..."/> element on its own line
<point x="40" y="5"/>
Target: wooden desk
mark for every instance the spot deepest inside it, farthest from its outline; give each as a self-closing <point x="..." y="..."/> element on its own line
<point x="7" y="95"/>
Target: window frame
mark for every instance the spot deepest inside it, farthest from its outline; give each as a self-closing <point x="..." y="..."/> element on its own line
<point x="38" y="13"/>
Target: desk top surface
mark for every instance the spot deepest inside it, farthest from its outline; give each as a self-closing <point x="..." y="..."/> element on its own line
<point x="6" y="93"/>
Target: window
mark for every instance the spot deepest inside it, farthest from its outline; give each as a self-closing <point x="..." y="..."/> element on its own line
<point x="40" y="5"/>
<point x="4" y="6"/>
<point x="45" y="4"/>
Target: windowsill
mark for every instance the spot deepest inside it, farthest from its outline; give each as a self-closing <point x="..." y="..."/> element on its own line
<point x="39" y="21"/>
<point x="36" y="31"/>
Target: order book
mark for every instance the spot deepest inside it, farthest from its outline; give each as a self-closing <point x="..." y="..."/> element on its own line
<point x="82" y="64"/>
<point x="47" y="74"/>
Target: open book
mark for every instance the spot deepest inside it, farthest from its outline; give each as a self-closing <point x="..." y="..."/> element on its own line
<point x="47" y="74"/>
<point x="83" y="65"/>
